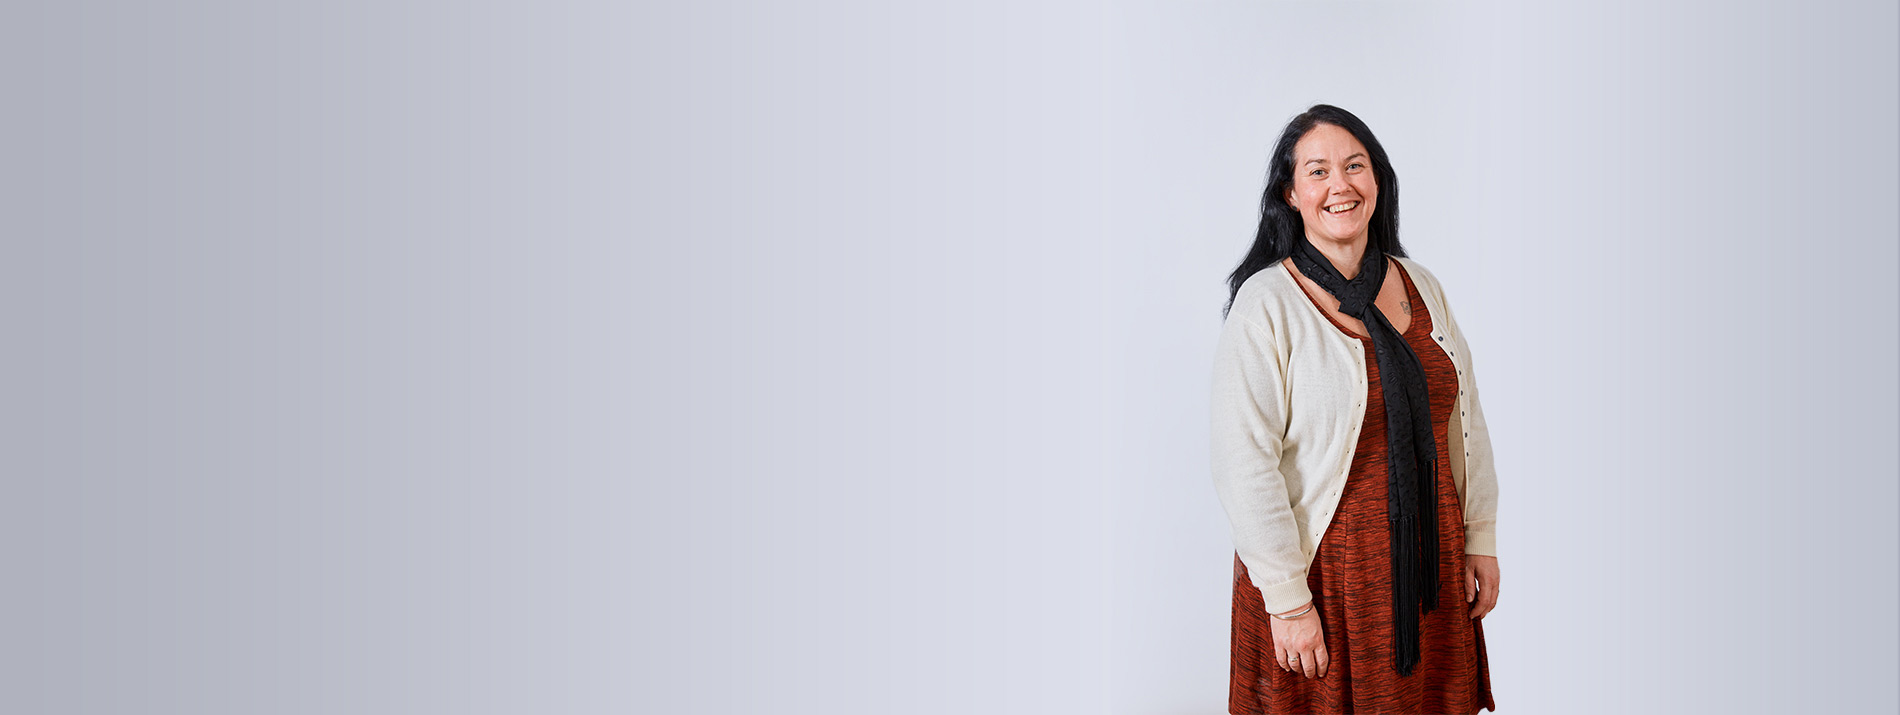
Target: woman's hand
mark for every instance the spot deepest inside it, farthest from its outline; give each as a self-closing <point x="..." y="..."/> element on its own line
<point x="1301" y="637"/>
<point x="1481" y="582"/>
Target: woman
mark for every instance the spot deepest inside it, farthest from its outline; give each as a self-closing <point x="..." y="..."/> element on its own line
<point x="1349" y="451"/>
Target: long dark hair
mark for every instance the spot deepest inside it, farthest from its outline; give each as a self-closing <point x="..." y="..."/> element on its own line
<point x="1280" y="225"/>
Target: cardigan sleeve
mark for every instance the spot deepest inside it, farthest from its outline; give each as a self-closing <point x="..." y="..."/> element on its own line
<point x="1481" y="476"/>
<point x="1249" y="424"/>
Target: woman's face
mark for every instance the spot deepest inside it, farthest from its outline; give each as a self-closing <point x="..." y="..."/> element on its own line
<point x="1331" y="170"/>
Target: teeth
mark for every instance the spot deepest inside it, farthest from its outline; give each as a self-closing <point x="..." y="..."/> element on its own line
<point x="1342" y="207"/>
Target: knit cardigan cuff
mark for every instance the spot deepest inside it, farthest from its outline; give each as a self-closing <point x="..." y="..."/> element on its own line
<point x="1482" y="543"/>
<point x="1286" y="595"/>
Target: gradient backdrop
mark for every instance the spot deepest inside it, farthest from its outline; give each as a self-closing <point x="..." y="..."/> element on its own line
<point x="852" y="357"/>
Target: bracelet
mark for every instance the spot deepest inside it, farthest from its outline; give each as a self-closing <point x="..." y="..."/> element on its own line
<point x="1291" y="616"/>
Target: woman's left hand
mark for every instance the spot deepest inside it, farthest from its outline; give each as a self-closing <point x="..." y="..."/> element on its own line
<point x="1481" y="581"/>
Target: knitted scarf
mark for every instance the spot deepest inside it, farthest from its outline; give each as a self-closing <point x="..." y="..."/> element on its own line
<point x="1411" y="448"/>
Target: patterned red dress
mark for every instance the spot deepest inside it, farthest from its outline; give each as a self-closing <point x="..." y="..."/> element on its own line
<point x="1351" y="581"/>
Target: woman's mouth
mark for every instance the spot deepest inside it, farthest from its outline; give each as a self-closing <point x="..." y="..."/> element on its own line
<point x="1342" y="209"/>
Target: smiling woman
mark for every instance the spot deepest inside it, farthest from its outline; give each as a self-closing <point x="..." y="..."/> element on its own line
<point x="1333" y="187"/>
<point x="1350" y="451"/>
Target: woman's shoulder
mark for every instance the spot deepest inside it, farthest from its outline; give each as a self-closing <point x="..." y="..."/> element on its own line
<point x="1262" y="297"/>
<point x="1422" y="277"/>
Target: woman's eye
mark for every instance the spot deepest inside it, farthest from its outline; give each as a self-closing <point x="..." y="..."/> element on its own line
<point x="1355" y="165"/>
<point x="1317" y="172"/>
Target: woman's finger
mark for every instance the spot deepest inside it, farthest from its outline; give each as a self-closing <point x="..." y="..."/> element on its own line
<point x="1309" y="662"/>
<point x="1471" y="582"/>
<point x="1487" y="598"/>
<point x="1325" y="660"/>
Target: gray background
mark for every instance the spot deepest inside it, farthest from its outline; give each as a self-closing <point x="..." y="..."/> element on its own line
<point x="852" y="357"/>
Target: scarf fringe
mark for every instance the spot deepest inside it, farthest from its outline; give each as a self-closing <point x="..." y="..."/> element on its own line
<point x="1414" y="581"/>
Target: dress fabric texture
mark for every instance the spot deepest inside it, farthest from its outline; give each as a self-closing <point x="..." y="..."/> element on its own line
<point x="1351" y="581"/>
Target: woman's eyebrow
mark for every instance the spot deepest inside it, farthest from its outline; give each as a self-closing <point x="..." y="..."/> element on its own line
<point x="1359" y="155"/>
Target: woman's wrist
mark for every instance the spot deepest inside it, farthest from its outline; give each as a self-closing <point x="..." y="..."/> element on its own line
<point x="1295" y="613"/>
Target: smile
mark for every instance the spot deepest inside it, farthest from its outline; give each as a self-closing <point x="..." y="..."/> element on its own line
<point x="1343" y="208"/>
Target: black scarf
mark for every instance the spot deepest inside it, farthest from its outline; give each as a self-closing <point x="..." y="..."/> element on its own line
<point x="1411" y="448"/>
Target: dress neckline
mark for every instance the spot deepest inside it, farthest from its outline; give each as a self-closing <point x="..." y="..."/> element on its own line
<point x="1411" y="294"/>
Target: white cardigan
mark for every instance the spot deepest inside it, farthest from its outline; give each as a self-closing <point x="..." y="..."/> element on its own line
<point x="1289" y="397"/>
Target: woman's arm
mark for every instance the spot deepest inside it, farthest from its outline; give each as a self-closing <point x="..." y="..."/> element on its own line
<point x="1249" y="422"/>
<point x="1481" y="476"/>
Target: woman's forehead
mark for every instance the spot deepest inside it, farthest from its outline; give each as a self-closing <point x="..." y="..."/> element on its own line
<point x="1326" y="142"/>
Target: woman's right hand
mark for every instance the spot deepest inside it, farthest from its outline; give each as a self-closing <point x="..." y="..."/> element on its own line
<point x="1304" y="638"/>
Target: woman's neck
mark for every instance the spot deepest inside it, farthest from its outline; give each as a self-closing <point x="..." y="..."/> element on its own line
<point x="1347" y="256"/>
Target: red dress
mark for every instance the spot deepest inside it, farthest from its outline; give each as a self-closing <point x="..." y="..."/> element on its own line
<point x="1351" y="581"/>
